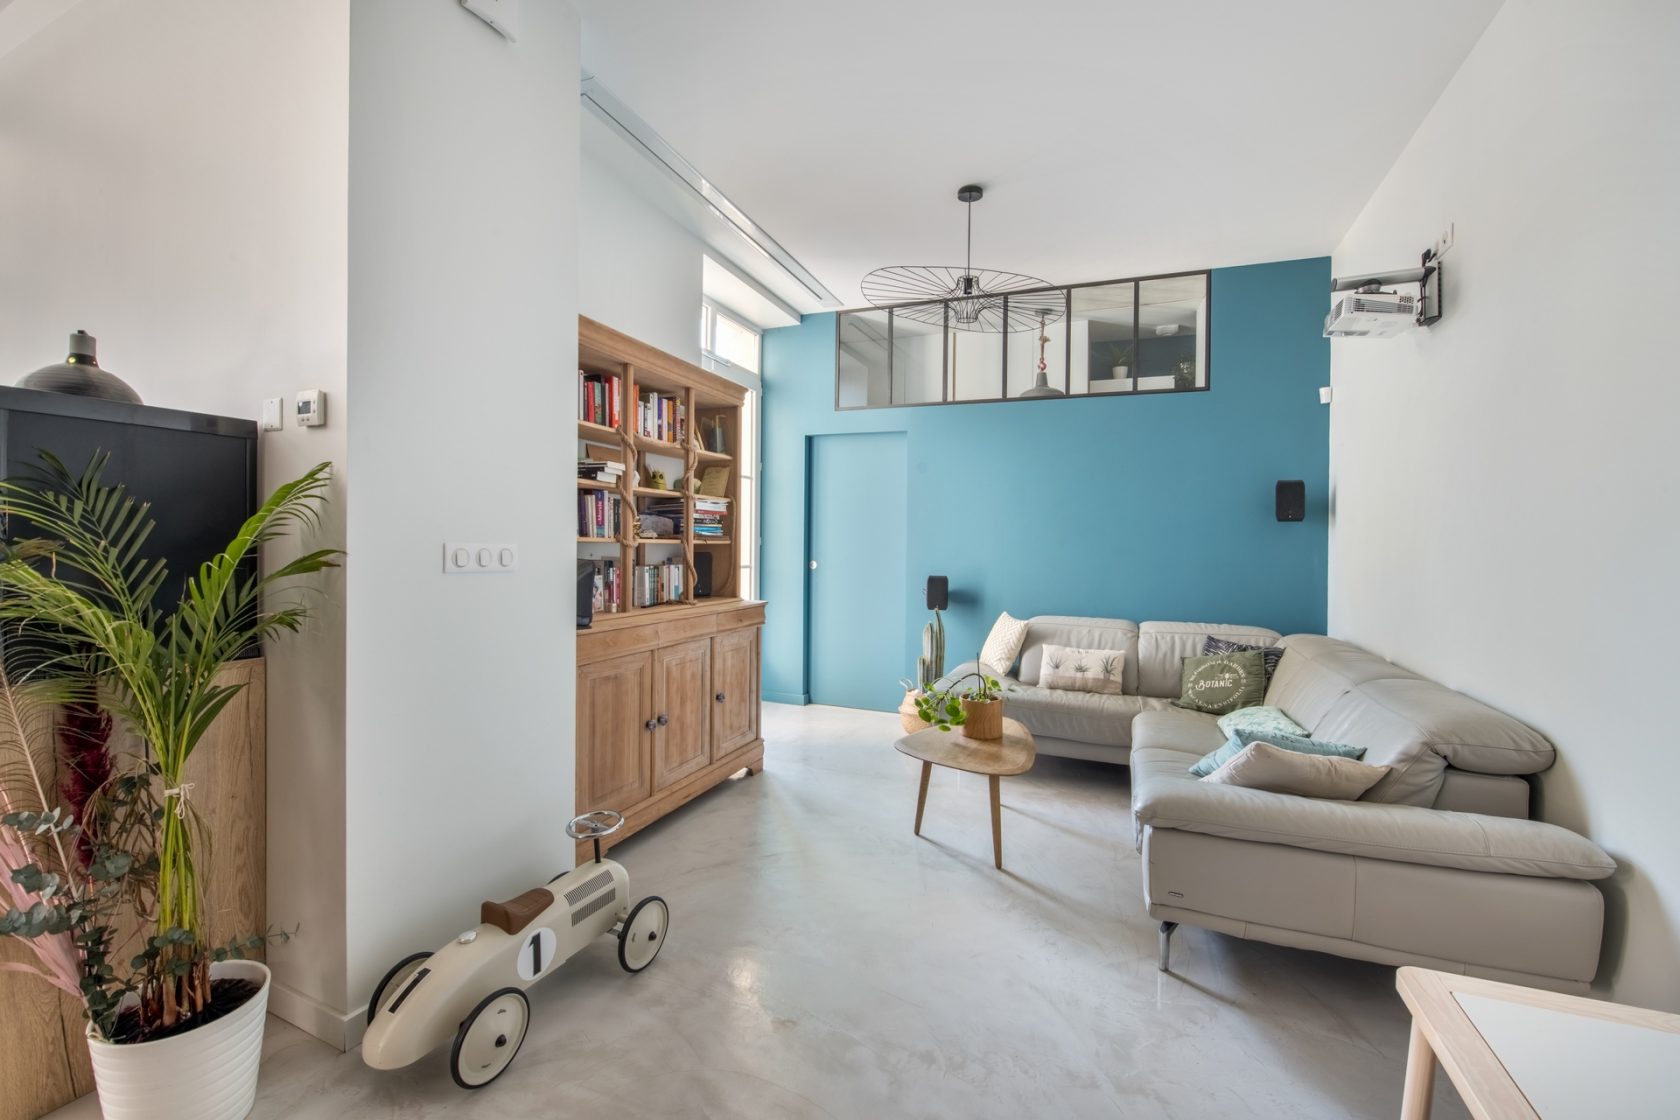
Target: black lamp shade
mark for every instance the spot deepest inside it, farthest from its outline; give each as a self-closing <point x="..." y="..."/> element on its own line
<point x="79" y="375"/>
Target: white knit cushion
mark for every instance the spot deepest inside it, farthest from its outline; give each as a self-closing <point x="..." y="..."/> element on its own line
<point x="1263" y="766"/>
<point x="1003" y="644"/>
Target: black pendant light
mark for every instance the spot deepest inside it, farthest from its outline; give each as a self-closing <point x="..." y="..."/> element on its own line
<point x="976" y="299"/>
<point x="79" y="375"/>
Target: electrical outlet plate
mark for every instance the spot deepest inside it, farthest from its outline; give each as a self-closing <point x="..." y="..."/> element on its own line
<point x="478" y="557"/>
<point x="273" y="413"/>
<point x="1445" y="241"/>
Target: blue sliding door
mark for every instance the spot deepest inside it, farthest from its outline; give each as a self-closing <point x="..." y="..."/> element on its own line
<point x="855" y="578"/>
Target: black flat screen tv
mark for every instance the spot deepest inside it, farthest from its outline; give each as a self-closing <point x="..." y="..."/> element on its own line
<point x="198" y="471"/>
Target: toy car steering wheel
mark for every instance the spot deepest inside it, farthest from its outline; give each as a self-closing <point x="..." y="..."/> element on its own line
<point x="593" y="826"/>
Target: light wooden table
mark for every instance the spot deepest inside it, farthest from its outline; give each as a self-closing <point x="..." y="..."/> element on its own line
<point x="995" y="758"/>
<point x="1518" y="1053"/>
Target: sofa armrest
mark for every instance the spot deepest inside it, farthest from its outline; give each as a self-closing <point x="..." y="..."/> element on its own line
<point x="968" y="667"/>
<point x="1165" y="795"/>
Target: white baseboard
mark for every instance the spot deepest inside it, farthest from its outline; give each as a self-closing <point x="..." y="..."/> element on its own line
<point x="335" y="1028"/>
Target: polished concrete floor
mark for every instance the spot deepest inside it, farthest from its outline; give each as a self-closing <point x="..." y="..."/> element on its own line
<point x="824" y="962"/>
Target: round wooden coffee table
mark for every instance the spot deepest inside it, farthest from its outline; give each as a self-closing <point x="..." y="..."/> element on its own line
<point x="995" y="758"/>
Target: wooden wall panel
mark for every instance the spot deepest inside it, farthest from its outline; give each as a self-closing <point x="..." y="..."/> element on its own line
<point x="43" y="1056"/>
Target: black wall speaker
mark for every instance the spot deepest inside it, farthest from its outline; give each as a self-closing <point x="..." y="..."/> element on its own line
<point x="938" y="593"/>
<point x="586" y="593"/>
<point x="702" y="575"/>
<point x="1291" y="500"/>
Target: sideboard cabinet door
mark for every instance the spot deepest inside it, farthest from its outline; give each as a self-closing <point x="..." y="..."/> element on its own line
<point x="614" y="744"/>
<point x="735" y="683"/>
<point x="682" y="680"/>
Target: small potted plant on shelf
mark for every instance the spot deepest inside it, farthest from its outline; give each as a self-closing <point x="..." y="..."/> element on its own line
<point x="103" y="876"/>
<point x="977" y="709"/>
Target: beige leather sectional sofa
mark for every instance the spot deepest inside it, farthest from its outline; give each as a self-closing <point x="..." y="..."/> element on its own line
<point x="1437" y="865"/>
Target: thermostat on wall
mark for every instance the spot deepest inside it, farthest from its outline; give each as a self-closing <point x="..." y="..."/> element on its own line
<point x="311" y="408"/>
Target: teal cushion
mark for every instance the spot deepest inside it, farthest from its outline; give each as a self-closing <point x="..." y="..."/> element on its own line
<point x="1268" y="721"/>
<point x="1213" y="760"/>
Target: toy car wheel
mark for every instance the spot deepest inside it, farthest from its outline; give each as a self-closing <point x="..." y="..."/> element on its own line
<point x="394" y="980"/>
<point x="643" y="933"/>
<point x="489" y="1038"/>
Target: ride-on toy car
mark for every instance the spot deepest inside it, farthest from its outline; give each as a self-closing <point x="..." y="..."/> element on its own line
<point x="474" y="987"/>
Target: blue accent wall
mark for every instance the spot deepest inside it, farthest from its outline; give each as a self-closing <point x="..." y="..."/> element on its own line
<point x="1145" y="507"/>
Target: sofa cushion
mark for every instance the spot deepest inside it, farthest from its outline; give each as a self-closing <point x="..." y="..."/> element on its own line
<point x="1223" y="682"/>
<point x="1082" y="670"/>
<point x="1003" y="644"/>
<point x="1300" y="744"/>
<point x="1271" y="654"/>
<point x="1177" y="729"/>
<point x="1417" y="727"/>
<point x="1261" y="765"/>
<point x="1164" y="795"/>
<point x="1084" y="633"/>
<point x="1266" y="721"/>
<point x="1319" y="671"/>
<point x="1163" y="646"/>
<point x="1083" y="717"/>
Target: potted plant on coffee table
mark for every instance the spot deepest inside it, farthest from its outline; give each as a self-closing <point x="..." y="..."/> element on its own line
<point x="174" y="1023"/>
<point x="977" y="709"/>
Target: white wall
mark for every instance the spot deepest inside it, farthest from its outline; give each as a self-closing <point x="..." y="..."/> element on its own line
<point x="462" y="339"/>
<point x="639" y="271"/>
<point x="1504" y="482"/>
<point x="173" y="180"/>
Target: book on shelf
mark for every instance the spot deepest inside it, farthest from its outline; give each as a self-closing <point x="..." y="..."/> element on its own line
<point x="661" y="416"/>
<point x="598" y="399"/>
<point x="709" y="515"/>
<point x="609" y="588"/>
<point x="600" y="515"/>
<point x="655" y="584"/>
<point x="600" y="470"/>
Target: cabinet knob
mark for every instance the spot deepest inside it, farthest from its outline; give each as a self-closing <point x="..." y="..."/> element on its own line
<point x="720" y="698"/>
<point x="663" y="721"/>
<point x="651" y="724"/>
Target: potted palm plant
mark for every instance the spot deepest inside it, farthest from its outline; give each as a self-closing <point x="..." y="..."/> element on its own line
<point x="175" y="1028"/>
<point x="978" y="709"/>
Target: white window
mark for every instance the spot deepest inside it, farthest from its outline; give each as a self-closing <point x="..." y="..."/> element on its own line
<point x="726" y="341"/>
<point x="730" y="346"/>
<point x="746" y="518"/>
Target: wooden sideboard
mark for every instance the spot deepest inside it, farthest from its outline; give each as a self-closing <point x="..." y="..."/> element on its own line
<point x="667" y="707"/>
<point x="43" y="1054"/>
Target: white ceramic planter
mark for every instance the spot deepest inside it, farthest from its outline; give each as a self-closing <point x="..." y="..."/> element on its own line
<point x="205" y="1074"/>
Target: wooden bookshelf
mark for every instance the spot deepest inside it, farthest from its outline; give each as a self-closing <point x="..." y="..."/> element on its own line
<point x="710" y="404"/>
<point x="667" y="694"/>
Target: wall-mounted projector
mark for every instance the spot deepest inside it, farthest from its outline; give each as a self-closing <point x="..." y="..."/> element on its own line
<point x="1363" y="309"/>
<point x="1371" y="315"/>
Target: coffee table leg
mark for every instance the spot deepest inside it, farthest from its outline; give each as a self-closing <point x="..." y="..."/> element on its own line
<point x="997" y="824"/>
<point x="1420" y="1077"/>
<point x="921" y="795"/>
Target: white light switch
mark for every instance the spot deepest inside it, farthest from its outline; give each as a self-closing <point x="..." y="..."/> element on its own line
<point x="462" y="558"/>
<point x="273" y="413"/>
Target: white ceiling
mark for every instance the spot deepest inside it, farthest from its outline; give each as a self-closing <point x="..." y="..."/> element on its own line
<point x="1113" y="137"/>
